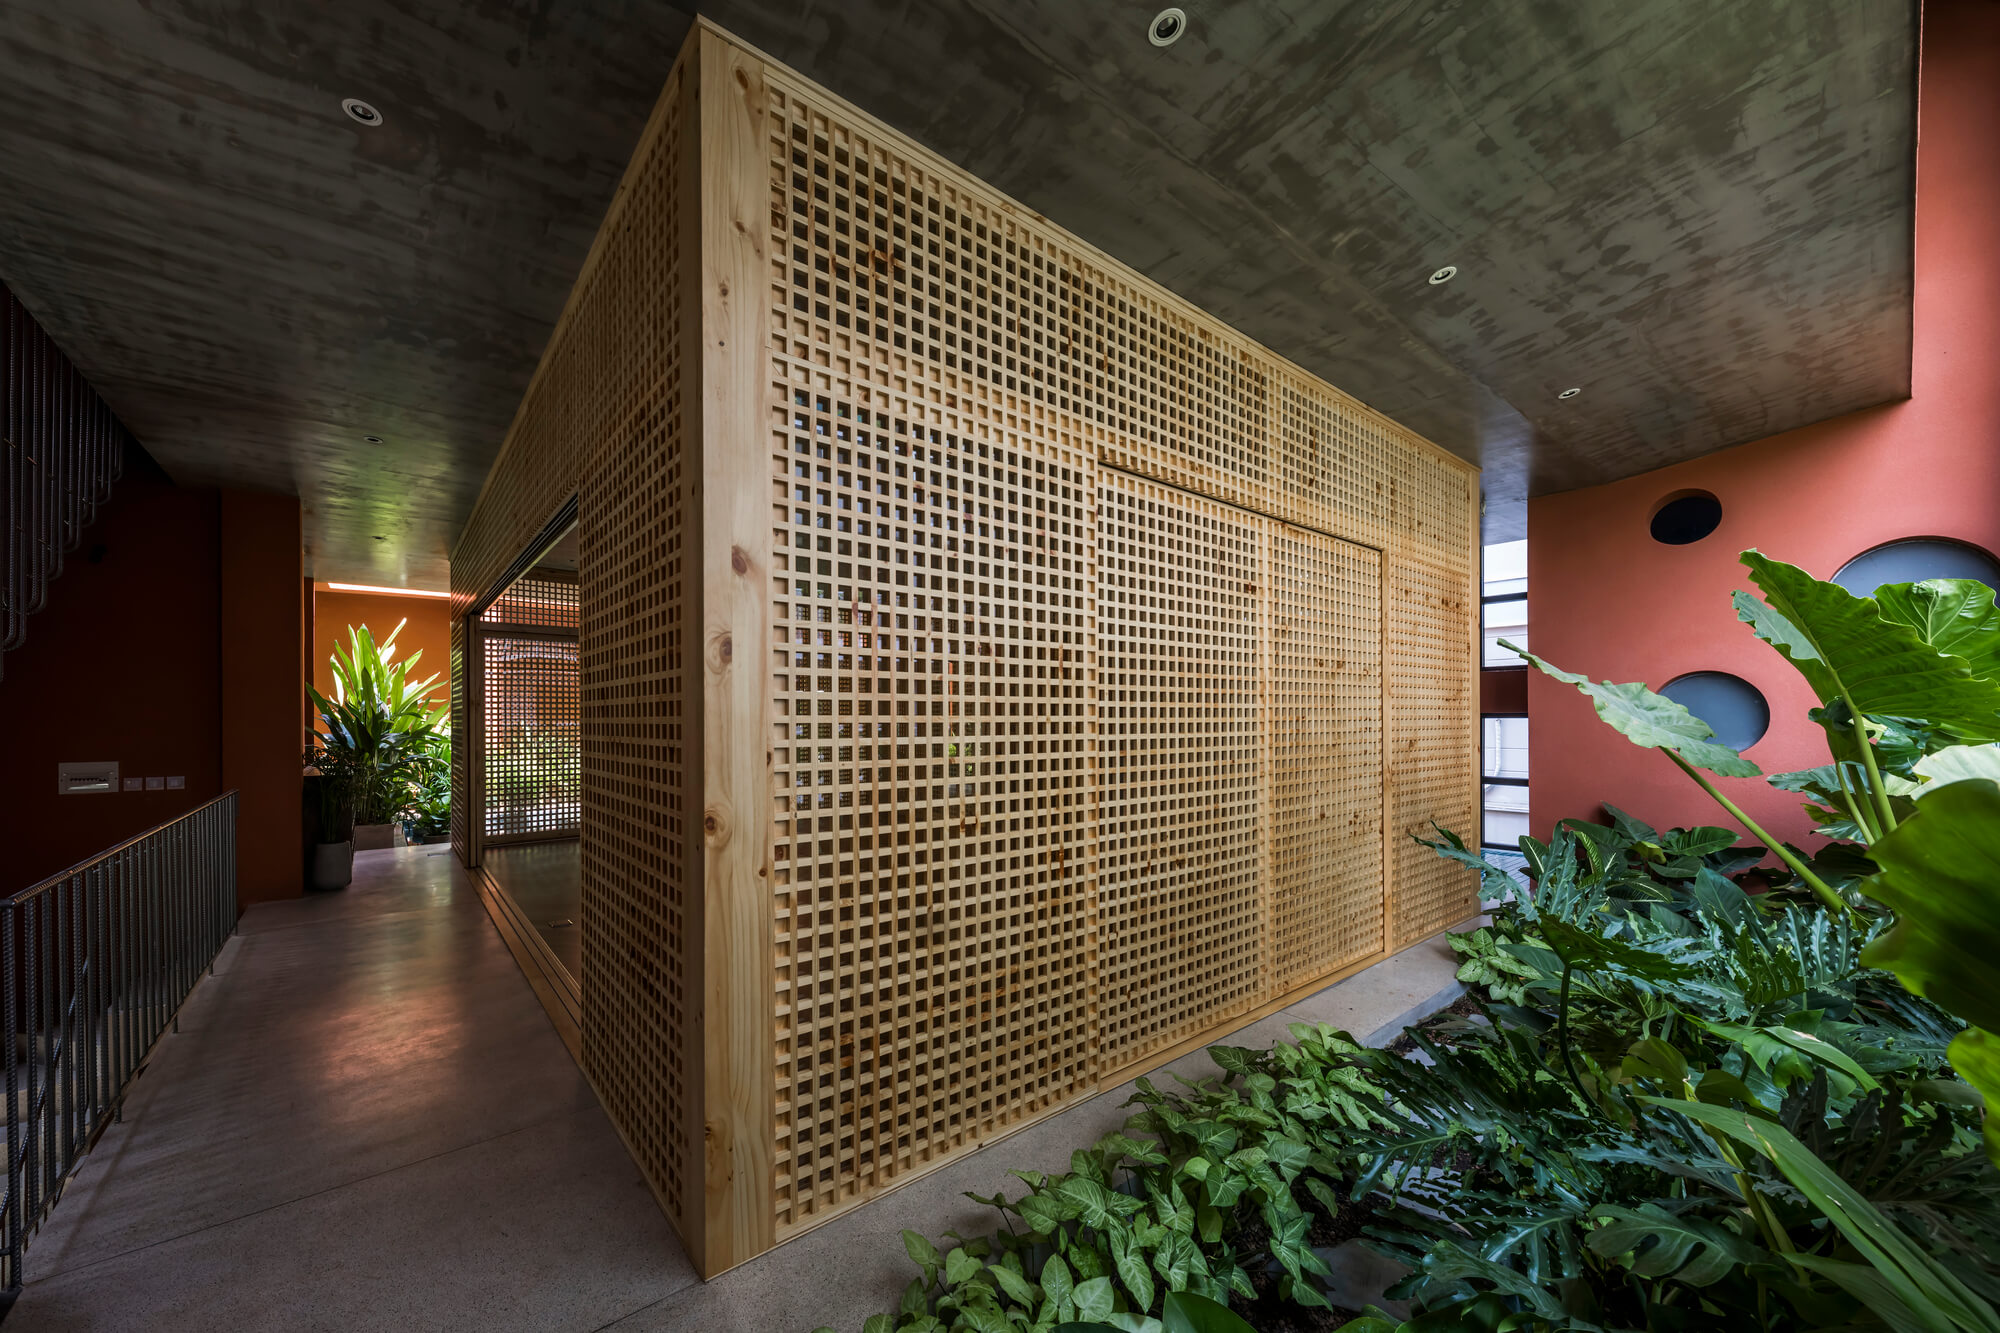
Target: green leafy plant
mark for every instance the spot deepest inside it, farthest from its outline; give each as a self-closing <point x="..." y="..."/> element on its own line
<point x="373" y="731"/>
<point x="1909" y="688"/>
<point x="429" y="805"/>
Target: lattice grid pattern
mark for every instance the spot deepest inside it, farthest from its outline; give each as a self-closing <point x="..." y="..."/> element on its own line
<point x="1180" y="888"/>
<point x="1231" y="689"/>
<point x="602" y="420"/>
<point x="929" y="753"/>
<point x="1091" y="625"/>
<point x="1323" y="707"/>
<point x="533" y="741"/>
<point x="539" y="599"/>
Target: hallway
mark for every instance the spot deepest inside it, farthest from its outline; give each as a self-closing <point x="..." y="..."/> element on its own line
<point x="367" y="1122"/>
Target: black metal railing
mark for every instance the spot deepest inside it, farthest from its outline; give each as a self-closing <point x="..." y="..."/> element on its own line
<point x="98" y="961"/>
<point x="60" y="451"/>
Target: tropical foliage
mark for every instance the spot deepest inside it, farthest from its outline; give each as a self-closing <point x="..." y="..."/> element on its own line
<point x="1689" y="1093"/>
<point x="373" y="744"/>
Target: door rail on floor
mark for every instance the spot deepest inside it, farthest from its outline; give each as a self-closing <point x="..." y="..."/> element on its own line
<point x="97" y="962"/>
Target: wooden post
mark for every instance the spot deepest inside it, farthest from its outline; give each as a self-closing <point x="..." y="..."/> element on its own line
<point x="733" y="545"/>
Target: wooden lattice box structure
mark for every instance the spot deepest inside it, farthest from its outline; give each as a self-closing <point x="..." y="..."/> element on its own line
<point x="996" y="674"/>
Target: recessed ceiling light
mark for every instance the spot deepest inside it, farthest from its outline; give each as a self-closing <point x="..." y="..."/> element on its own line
<point x="1444" y="275"/>
<point x="372" y="439"/>
<point x="1569" y="393"/>
<point x="360" y="112"/>
<point x="1167" y="27"/>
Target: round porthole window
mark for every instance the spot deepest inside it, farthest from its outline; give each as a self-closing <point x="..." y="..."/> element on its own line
<point x="1686" y="518"/>
<point x="1914" y="560"/>
<point x="1730" y="704"/>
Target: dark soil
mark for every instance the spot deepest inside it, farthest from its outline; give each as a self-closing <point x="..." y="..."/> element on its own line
<point x="1270" y="1312"/>
<point x="1465" y="1006"/>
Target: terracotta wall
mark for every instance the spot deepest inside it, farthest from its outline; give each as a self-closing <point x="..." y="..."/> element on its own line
<point x="428" y="631"/>
<point x="161" y="647"/>
<point x="1609" y="601"/>
<point x="122" y="664"/>
<point x="258" y="582"/>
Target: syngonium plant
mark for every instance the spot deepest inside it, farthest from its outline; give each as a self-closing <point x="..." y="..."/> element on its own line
<point x="376" y="727"/>
<point x="1908" y="682"/>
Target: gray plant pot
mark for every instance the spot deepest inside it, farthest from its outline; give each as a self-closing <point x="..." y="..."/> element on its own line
<point x="333" y="865"/>
<point x="376" y="837"/>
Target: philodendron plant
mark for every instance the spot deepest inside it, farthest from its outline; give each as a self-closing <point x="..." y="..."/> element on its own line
<point x="1908" y="683"/>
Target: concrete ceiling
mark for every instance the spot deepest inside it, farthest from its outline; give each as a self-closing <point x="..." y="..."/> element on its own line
<point x="1697" y="211"/>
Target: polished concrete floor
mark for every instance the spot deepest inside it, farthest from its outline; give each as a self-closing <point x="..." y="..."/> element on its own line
<point x="367" y="1122"/>
<point x="545" y="879"/>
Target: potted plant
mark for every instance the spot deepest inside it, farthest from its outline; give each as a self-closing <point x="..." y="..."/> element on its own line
<point x="333" y="788"/>
<point x="374" y="731"/>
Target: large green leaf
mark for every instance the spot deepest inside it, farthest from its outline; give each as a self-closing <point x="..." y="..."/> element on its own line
<point x="1940" y="873"/>
<point x="1650" y="720"/>
<point x="1188" y="1313"/>
<point x="1918" y="1290"/>
<point x="1655" y="1243"/>
<point x="1955" y="764"/>
<point x="1845" y="648"/>
<point x="1955" y="616"/>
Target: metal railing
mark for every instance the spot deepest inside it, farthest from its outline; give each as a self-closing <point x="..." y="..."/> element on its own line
<point x="60" y="451"/>
<point x="98" y="961"/>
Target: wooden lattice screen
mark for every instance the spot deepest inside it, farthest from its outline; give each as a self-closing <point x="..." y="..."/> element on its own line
<point x="530" y="742"/>
<point x="1063" y="674"/>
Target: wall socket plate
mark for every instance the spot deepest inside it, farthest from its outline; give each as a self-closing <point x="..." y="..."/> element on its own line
<point x="77" y="779"/>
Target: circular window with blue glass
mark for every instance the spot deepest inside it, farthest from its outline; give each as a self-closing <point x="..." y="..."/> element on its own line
<point x="1729" y="704"/>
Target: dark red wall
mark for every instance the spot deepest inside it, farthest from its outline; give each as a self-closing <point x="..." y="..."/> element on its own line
<point x="171" y="644"/>
<point x="121" y="664"/>
<point x="1611" y="602"/>
<point x="258" y="577"/>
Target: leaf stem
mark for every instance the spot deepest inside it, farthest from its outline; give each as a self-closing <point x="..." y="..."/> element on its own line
<point x="1874" y="772"/>
<point x="1857" y="810"/>
<point x="1562" y="1036"/>
<point x="1820" y="888"/>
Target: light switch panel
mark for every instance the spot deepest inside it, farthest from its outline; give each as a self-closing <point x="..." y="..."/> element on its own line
<point x="74" y="779"/>
<point x="156" y="784"/>
<point x="176" y="783"/>
<point x="135" y="784"/>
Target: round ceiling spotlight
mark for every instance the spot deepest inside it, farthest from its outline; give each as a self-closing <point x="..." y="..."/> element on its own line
<point x="360" y="112"/>
<point x="1444" y="275"/>
<point x="1167" y="27"/>
<point x="1567" y="394"/>
<point x="372" y="439"/>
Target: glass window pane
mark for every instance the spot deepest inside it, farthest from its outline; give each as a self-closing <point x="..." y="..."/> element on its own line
<point x="1506" y="567"/>
<point x="1502" y="620"/>
<point x="1505" y="814"/>
<point x="1504" y="749"/>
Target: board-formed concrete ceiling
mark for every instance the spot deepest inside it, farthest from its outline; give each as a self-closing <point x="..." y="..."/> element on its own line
<point x="1696" y="211"/>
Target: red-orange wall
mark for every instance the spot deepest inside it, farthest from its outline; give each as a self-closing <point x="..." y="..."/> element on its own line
<point x="258" y="577"/>
<point x="121" y="664"/>
<point x="1607" y="600"/>
<point x="428" y="631"/>
<point x="157" y="649"/>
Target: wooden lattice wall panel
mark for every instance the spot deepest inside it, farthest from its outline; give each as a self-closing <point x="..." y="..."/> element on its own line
<point x="930" y="767"/>
<point x="1181" y="888"/>
<point x="603" y="421"/>
<point x="546" y="600"/>
<point x="1228" y="540"/>
<point x="1323" y="729"/>
<point x="995" y="673"/>
<point x="1430" y="700"/>
<point x="532" y="737"/>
